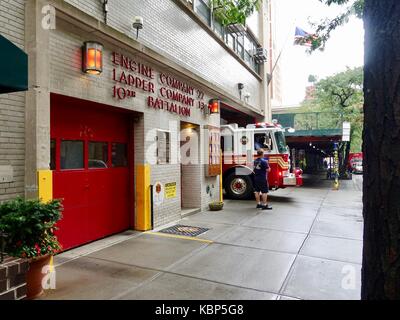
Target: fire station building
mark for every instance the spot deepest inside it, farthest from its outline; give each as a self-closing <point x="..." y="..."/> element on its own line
<point x="121" y="120"/>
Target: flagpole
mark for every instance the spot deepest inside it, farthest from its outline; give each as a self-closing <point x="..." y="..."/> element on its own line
<point x="283" y="47"/>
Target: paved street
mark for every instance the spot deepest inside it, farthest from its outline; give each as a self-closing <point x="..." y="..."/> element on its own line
<point x="308" y="247"/>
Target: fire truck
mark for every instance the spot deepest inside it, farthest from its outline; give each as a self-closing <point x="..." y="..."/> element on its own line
<point x="239" y="149"/>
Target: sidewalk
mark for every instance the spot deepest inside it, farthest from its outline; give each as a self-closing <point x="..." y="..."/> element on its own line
<point x="308" y="247"/>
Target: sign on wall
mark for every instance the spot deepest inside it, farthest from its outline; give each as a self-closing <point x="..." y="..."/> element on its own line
<point x="214" y="152"/>
<point x="164" y="91"/>
<point x="158" y="193"/>
<point x="346" y="131"/>
<point x="170" y="190"/>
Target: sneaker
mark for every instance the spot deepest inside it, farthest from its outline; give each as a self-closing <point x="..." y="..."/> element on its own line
<point x="267" y="207"/>
<point x="260" y="206"/>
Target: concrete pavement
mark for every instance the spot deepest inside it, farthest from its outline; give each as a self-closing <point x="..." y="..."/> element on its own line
<point x="308" y="247"/>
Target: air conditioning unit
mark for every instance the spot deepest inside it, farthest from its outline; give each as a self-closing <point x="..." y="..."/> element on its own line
<point x="260" y="55"/>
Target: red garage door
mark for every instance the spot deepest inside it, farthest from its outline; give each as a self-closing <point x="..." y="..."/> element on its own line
<point x="89" y="156"/>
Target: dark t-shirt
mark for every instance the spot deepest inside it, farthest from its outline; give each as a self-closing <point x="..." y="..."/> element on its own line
<point x="260" y="169"/>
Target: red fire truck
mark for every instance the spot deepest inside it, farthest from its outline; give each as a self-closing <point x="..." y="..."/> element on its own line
<point x="239" y="149"/>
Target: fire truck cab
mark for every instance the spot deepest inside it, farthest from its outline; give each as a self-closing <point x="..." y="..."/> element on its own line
<point x="239" y="149"/>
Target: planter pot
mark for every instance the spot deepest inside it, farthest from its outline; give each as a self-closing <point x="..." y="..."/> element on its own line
<point x="35" y="277"/>
<point x="216" y="206"/>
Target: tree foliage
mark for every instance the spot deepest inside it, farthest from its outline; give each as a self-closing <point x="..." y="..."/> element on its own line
<point x="312" y="78"/>
<point x="325" y="27"/>
<point x="341" y="94"/>
<point x="234" y="11"/>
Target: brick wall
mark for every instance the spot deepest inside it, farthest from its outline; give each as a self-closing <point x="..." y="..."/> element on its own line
<point x="12" y="108"/>
<point x="182" y="40"/>
<point x="13" y="279"/>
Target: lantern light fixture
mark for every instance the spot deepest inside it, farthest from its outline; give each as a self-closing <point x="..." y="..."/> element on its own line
<point x="138" y="25"/>
<point x="92" y="58"/>
<point x="214" y="106"/>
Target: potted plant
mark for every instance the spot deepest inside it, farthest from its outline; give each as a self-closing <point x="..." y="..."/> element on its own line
<point x="30" y="226"/>
<point x="216" y="206"/>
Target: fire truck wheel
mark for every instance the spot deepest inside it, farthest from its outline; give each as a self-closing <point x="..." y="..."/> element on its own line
<point x="239" y="187"/>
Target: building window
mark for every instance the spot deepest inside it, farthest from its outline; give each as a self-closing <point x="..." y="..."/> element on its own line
<point x="243" y="45"/>
<point x="218" y="29"/>
<point x="230" y="41"/>
<point x="119" y="155"/>
<point x="263" y="141"/>
<point x="163" y="147"/>
<point x="203" y="10"/>
<point x="71" y="155"/>
<point x="98" y="155"/>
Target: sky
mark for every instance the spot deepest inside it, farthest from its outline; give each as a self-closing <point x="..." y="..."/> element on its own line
<point x="344" y="49"/>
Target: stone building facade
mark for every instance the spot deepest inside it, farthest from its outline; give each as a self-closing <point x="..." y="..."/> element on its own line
<point x="12" y="110"/>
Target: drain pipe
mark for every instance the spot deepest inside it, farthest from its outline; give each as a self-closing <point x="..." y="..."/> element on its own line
<point x="105" y="10"/>
<point x="151" y="207"/>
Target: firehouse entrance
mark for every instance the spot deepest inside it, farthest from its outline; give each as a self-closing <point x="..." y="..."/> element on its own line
<point x="91" y="169"/>
<point x="190" y="166"/>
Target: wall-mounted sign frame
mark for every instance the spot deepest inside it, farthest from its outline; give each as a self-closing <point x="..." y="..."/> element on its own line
<point x="213" y="168"/>
<point x="158" y="193"/>
<point x="170" y="190"/>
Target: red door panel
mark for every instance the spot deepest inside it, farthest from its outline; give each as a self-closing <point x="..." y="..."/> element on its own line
<point x="96" y="200"/>
<point x="119" y="189"/>
<point x="71" y="188"/>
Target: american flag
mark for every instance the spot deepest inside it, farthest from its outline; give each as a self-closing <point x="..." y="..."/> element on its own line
<point x="302" y="38"/>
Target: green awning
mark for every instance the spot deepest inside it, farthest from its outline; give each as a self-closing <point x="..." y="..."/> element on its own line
<point x="13" y="67"/>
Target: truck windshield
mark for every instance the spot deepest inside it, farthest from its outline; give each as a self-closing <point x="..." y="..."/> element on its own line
<point x="281" y="142"/>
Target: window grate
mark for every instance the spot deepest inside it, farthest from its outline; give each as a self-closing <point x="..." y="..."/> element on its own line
<point x="187" y="231"/>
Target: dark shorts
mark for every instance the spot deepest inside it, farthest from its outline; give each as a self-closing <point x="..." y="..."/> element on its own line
<point x="261" y="186"/>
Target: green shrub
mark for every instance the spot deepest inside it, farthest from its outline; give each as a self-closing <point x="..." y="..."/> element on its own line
<point x="30" y="226"/>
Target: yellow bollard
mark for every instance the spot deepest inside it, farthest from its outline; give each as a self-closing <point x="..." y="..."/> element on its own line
<point x="45" y="185"/>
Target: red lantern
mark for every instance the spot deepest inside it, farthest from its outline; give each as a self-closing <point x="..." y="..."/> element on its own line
<point x="92" y="58"/>
<point x="214" y="106"/>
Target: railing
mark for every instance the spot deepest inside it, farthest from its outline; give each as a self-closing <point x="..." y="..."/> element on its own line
<point x="242" y="42"/>
<point x="310" y="120"/>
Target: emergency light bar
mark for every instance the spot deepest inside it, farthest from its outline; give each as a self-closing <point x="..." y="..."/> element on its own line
<point x="259" y="125"/>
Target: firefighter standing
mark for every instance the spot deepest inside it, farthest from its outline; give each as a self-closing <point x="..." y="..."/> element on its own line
<point x="261" y="188"/>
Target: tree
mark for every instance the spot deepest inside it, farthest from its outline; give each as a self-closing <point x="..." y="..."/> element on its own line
<point x="381" y="255"/>
<point x="325" y="28"/>
<point x="234" y="11"/>
<point x="312" y="78"/>
<point x="342" y="95"/>
<point x="381" y="145"/>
